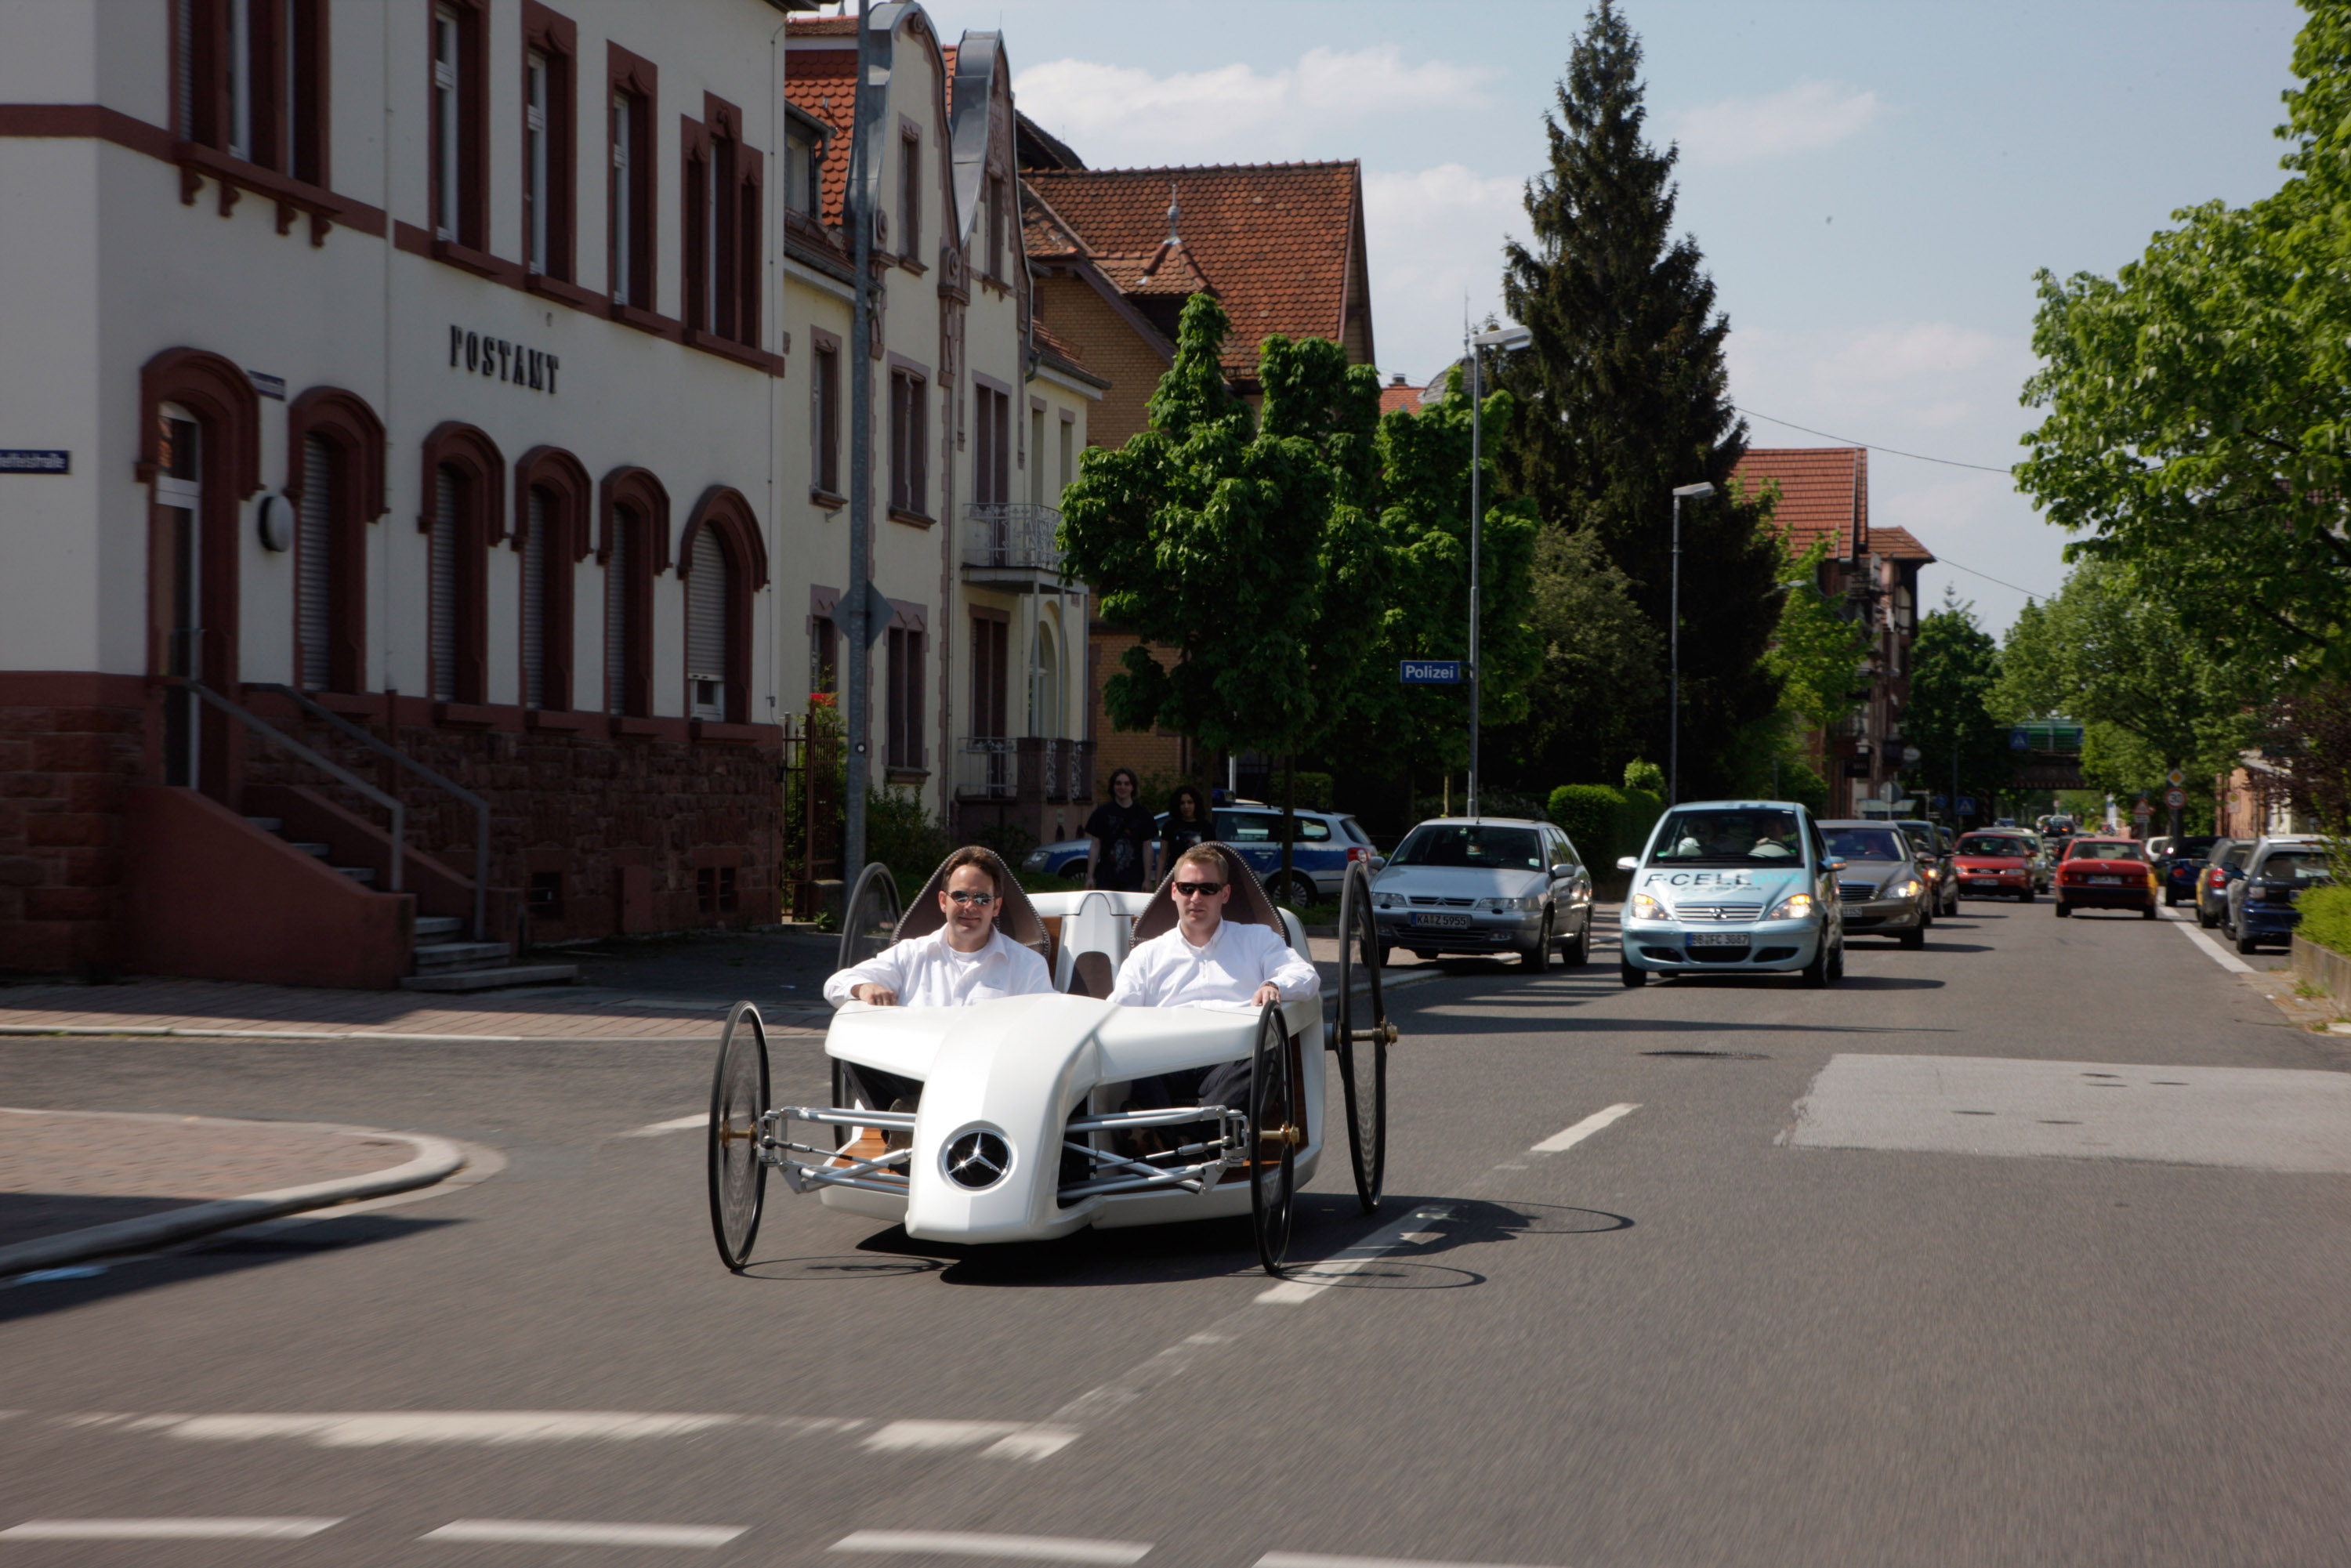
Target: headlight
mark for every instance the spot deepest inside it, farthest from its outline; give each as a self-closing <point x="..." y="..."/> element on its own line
<point x="1387" y="901"/>
<point x="1036" y="860"/>
<point x="1909" y="888"/>
<point x="1644" y="907"/>
<point x="1507" y="905"/>
<point x="1795" y="906"/>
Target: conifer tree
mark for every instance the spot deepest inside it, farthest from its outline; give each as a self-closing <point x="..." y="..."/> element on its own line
<point x="1623" y="396"/>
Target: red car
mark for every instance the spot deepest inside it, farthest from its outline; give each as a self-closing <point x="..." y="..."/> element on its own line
<point x="1993" y="865"/>
<point x="2105" y="874"/>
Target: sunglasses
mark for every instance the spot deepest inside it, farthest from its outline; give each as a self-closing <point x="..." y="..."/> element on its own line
<point x="1198" y="889"/>
<point x="982" y="899"/>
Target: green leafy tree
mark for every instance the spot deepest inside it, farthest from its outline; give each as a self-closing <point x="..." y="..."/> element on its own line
<point x="2150" y="694"/>
<point x="1622" y="395"/>
<point x="1246" y="548"/>
<point x="1815" y="650"/>
<point x="1602" y="680"/>
<point x="2199" y="401"/>
<point x="1423" y="524"/>
<point x="1955" y="673"/>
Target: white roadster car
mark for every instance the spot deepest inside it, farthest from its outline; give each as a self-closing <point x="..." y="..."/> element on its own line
<point x="1003" y="1121"/>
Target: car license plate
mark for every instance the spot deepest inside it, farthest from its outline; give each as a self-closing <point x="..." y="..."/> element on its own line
<point x="1442" y="922"/>
<point x="1717" y="938"/>
<point x="2105" y="882"/>
<point x="1983" y="882"/>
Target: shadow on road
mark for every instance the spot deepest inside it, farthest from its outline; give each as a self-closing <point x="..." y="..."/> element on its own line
<point x="49" y="1290"/>
<point x="1329" y="1224"/>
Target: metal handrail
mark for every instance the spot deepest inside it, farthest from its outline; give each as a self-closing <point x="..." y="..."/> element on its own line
<point x="340" y="773"/>
<point x="481" y="806"/>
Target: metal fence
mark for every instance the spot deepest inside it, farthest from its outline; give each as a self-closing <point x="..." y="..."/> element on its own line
<point x="1012" y="535"/>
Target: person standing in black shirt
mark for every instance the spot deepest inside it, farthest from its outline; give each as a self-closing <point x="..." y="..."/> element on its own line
<point x="1120" y="832"/>
<point x="1187" y="824"/>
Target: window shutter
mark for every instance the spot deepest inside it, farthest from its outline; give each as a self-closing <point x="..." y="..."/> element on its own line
<point x="616" y="615"/>
<point x="445" y="588"/>
<point x="533" y="600"/>
<point x="706" y="627"/>
<point x="314" y="563"/>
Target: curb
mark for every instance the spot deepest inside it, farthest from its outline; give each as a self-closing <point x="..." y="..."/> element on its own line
<point x="436" y="1160"/>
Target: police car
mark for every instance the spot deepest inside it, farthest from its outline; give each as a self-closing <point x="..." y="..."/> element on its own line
<point x="1728" y="887"/>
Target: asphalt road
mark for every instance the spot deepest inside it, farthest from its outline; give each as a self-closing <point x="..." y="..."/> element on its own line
<point x="1724" y="1328"/>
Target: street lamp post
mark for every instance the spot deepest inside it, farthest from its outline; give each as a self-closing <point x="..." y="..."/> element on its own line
<point x="1506" y="337"/>
<point x="1697" y="492"/>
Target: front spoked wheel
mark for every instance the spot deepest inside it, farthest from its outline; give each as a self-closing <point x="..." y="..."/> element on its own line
<point x="1362" y="1039"/>
<point x="1274" y="1138"/>
<point x="738" y="1097"/>
<point x="869" y="921"/>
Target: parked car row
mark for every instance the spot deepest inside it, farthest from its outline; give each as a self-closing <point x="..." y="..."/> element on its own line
<point x="1325" y="845"/>
<point x="2247" y="887"/>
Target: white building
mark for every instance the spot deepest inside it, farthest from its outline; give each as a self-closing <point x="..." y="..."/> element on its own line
<point x="425" y="358"/>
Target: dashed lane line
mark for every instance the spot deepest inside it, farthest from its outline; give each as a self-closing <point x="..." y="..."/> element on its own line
<point x="584" y="1533"/>
<point x="1559" y="1143"/>
<point x="218" y="1529"/>
<point x="674" y="1124"/>
<point x="965" y="1543"/>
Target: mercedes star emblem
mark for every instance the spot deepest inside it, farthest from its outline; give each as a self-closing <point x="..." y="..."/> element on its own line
<point x="978" y="1159"/>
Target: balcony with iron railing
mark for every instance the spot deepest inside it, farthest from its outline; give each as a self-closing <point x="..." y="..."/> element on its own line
<point x="1014" y="545"/>
<point x="1029" y="770"/>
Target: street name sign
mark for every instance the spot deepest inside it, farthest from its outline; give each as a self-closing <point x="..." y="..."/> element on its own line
<point x="1429" y="672"/>
<point x="19" y="460"/>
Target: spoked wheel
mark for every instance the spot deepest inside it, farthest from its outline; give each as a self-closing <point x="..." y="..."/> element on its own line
<point x="869" y="921"/>
<point x="1274" y="1138"/>
<point x="738" y="1095"/>
<point x="1362" y="1039"/>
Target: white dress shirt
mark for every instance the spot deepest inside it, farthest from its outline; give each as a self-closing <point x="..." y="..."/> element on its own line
<point x="1169" y="972"/>
<point x="927" y="973"/>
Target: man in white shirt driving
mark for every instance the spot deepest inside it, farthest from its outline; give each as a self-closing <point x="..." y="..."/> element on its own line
<point x="965" y="960"/>
<point x="1206" y="959"/>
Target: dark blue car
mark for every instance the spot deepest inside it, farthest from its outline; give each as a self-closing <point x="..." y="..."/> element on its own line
<point x="2182" y="859"/>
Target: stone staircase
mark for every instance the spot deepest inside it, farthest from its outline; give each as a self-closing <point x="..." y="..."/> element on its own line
<point x="444" y="961"/>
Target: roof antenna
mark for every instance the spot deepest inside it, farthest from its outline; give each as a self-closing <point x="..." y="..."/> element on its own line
<point x="1174" y="213"/>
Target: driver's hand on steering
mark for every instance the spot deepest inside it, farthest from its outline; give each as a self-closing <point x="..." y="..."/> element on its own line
<point x="883" y="996"/>
<point x="1269" y="992"/>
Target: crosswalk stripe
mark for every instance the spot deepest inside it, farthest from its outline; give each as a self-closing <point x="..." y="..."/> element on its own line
<point x="582" y="1532"/>
<point x="964" y="1543"/>
<point x="215" y="1528"/>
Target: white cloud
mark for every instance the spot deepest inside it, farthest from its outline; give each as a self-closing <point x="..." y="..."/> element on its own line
<point x="1435" y="241"/>
<point x="1124" y="114"/>
<point x="1802" y="119"/>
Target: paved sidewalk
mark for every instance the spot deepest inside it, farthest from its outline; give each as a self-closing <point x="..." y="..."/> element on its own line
<point x="63" y="1171"/>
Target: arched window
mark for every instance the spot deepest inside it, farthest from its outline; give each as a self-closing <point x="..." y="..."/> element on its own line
<point x="550" y="534"/>
<point x="708" y="633"/>
<point x="200" y="452"/>
<point x="724" y="564"/>
<point x="335" y="479"/>
<point x="632" y="545"/>
<point x="464" y="514"/>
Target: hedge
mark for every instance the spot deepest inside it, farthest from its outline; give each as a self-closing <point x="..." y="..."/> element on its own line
<point x="2325" y="918"/>
<point x="1606" y="823"/>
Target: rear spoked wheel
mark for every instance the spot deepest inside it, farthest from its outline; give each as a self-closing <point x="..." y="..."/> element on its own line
<point x="1274" y="1138"/>
<point x="869" y="921"/>
<point x="738" y="1097"/>
<point x="1362" y="1038"/>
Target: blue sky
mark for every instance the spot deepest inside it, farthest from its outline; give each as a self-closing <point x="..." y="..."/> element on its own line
<point x="1873" y="185"/>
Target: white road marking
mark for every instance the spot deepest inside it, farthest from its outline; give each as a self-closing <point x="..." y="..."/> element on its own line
<point x="584" y="1533"/>
<point x="674" y="1124"/>
<point x="961" y="1543"/>
<point x="1012" y="1440"/>
<point x="1312" y="1560"/>
<point x="2213" y="950"/>
<point x="1309" y="1280"/>
<point x="221" y="1529"/>
<point x="369" y="1429"/>
<point x="1568" y="1137"/>
<point x="2276" y="1119"/>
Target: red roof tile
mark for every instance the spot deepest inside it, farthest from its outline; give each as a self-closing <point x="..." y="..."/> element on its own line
<point x="1398" y="395"/>
<point x="1899" y="544"/>
<point x="1059" y="344"/>
<point x="1824" y="493"/>
<point x="823" y="82"/>
<point x="1167" y="270"/>
<point x="1274" y="242"/>
<point x="823" y="26"/>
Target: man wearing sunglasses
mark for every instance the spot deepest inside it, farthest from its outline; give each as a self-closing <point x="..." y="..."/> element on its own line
<point x="965" y="960"/>
<point x="1206" y="958"/>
